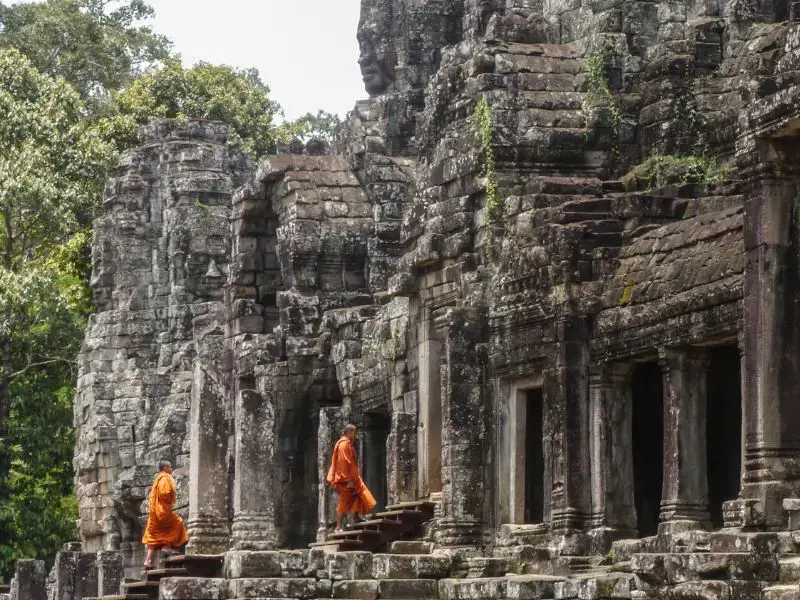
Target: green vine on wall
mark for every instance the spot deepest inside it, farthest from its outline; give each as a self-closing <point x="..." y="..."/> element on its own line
<point x="598" y="98"/>
<point x="494" y="204"/>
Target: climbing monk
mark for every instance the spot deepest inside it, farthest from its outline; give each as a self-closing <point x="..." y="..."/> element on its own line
<point x="165" y="530"/>
<point x="354" y="497"/>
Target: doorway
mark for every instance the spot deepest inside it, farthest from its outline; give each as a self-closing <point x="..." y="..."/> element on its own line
<point x="648" y="445"/>
<point x="373" y="456"/>
<point x="534" y="456"/>
<point x="723" y="428"/>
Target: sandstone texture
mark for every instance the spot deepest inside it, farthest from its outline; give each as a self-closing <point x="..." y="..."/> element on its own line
<point x="596" y="385"/>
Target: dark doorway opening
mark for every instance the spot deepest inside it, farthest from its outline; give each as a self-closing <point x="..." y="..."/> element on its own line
<point x="534" y="456"/>
<point x="648" y="445"/>
<point x="723" y="428"/>
<point x="373" y="456"/>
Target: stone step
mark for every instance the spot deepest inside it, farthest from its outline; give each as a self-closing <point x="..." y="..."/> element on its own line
<point x="157" y="574"/>
<point x="339" y="546"/>
<point x="411" y="547"/>
<point x="266" y="563"/>
<point x="197" y="565"/>
<point x="780" y="592"/>
<point x="127" y="597"/>
<point x="276" y="587"/>
<point x="148" y="588"/>
<point x="410" y="566"/>
<point x="671" y="569"/>
<point x="789" y="569"/>
<point x="422" y="505"/>
<point x="353" y="534"/>
<point x="610" y="585"/>
<point x="370" y="589"/>
<point x="481" y="567"/>
<point x="713" y="589"/>
<point x="513" y="587"/>
<point x="193" y="588"/>
<point x="760" y="542"/>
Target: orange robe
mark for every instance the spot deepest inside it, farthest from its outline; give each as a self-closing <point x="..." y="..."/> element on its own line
<point x="343" y="470"/>
<point x="164" y="527"/>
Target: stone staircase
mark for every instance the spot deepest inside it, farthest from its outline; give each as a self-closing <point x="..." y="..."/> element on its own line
<point x="398" y="521"/>
<point x="182" y="567"/>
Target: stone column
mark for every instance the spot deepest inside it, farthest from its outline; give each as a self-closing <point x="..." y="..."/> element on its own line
<point x="566" y="392"/>
<point x="109" y="573"/>
<point x="208" y="464"/>
<point x="772" y="348"/>
<point x="30" y="581"/>
<point x="401" y="458"/>
<point x="254" y="525"/>
<point x="610" y="444"/>
<point x="684" y="498"/>
<point x="465" y="443"/>
<point x="331" y="424"/>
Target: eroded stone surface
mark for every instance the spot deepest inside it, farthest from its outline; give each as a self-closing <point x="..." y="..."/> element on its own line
<point x="246" y="312"/>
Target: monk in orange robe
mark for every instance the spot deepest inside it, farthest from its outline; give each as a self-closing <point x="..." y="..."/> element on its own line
<point x="343" y="476"/>
<point x="165" y="529"/>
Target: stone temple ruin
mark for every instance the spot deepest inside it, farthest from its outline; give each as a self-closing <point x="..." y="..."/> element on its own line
<point x="591" y="388"/>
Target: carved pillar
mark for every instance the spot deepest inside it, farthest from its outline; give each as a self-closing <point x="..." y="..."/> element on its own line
<point x="109" y="573"/>
<point x="465" y="449"/>
<point x="254" y="492"/>
<point x="401" y="456"/>
<point x="208" y="464"/>
<point x="772" y="348"/>
<point x="566" y="391"/>
<point x="331" y="423"/>
<point x="610" y="445"/>
<point x="30" y="581"/>
<point x="684" y="498"/>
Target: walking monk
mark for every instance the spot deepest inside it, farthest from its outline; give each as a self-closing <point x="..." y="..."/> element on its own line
<point x="165" y="528"/>
<point x="343" y="476"/>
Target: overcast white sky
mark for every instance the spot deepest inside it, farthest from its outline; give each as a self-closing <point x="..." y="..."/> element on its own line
<point x="305" y="50"/>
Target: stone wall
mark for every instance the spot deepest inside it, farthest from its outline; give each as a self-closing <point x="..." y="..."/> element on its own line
<point x="160" y="261"/>
<point x="245" y="314"/>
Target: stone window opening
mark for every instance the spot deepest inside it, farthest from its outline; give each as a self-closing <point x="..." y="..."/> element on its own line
<point x="648" y="445"/>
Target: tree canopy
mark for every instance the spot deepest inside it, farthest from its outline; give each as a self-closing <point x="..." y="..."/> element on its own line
<point x="236" y="97"/>
<point x="98" y="46"/>
<point x="52" y="168"/>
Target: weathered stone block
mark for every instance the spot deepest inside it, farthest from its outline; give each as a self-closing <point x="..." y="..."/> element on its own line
<point x="188" y="588"/>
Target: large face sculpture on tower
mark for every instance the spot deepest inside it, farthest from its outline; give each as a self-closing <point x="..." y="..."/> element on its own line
<point x="376" y="42"/>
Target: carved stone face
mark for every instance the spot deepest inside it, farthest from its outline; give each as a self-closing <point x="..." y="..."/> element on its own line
<point x="377" y="55"/>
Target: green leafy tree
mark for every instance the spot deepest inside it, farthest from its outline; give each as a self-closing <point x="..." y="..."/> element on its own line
<point x="236" y="97"/>
<point x="52" y="168"/>
<point x="323" y="125"/>
<point x="98" y="46"/>
<point x="44" y="316"/>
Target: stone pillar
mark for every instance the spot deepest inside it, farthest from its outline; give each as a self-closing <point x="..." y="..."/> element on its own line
<point x="429" y="431"/>
<point x="109" y="573"/>
<point x="401" y="461"/>
<point x="566" y="392"/>
<point x="331" y="424"/>
<point x="465" y="443"/>
<point x="684" y="498"/>
<point x="86" y="581"/>
<point x="610" y="445"/>
<point x="30" y="581"/>
<point x="254" y="525"/>
<point x="208" y="464"/>
<point x="772" y="348"/>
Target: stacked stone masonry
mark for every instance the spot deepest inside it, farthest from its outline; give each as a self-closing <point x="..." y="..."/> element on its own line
<point x="596" y="385"/>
